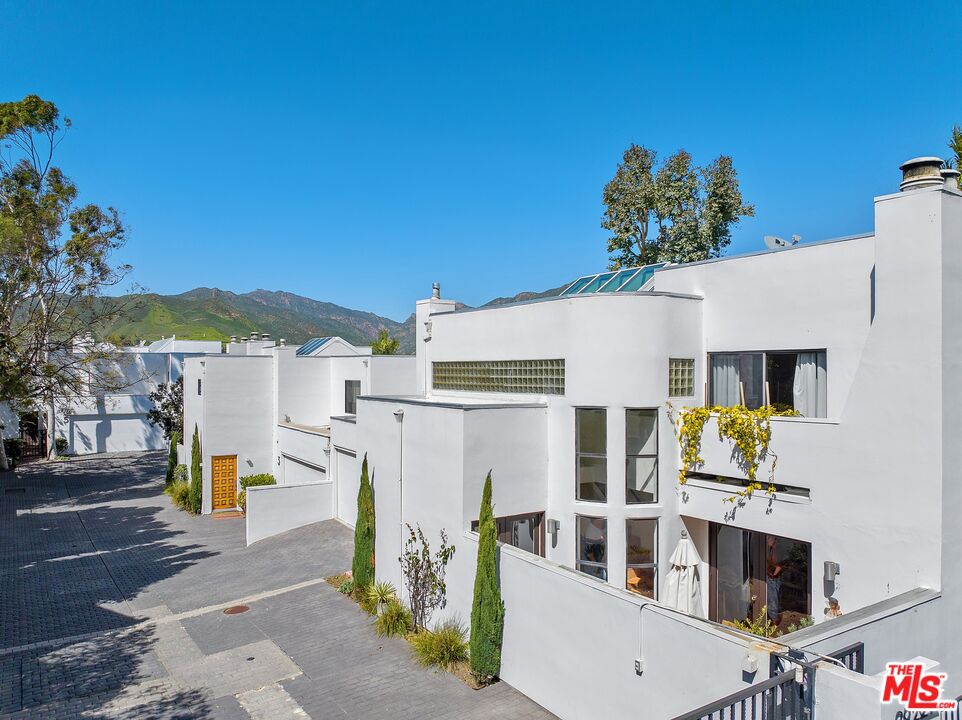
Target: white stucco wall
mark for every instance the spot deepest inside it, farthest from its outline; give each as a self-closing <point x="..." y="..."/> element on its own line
<point x="393" y="375"/>
<point x="273" y="509"/>
<point x="234" y="412"/>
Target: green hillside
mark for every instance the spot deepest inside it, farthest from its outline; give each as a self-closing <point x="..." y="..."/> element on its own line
<point x="212" y="314"/>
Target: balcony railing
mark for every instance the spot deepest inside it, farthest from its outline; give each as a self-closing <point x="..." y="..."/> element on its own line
<point x="778" y="698"/>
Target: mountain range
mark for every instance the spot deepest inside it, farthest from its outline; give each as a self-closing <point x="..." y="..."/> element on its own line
<point x="213" y="314"/>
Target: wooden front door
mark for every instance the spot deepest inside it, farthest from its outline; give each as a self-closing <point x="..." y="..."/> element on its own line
<point x="223" y="475"/>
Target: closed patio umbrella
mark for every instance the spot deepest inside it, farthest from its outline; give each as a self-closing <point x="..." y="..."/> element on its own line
<point x="683" y="586"/>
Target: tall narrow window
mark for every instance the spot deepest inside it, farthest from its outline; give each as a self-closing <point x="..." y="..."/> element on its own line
<point x="593" y="546"/>
<point x="591" y="430"/>
<point x="641" y="462"/>
<point x="198" y="385"/>
<point x="352" y="388"/>
<point x="641" y="557"/>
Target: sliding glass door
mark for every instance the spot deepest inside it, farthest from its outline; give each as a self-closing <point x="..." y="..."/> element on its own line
<point x="751" y="571"/>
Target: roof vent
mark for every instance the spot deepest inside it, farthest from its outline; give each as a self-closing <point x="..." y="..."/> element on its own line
<point x="951" y="178"/>
<point x="243" y="339"/>
<point x="255" y="336"/>
<point x="233" y="338"/>
<point x="283" y="342"/>
<point x="921" y="172"/>
<point x="265" y="336"/>
<point x="436" y="291"/>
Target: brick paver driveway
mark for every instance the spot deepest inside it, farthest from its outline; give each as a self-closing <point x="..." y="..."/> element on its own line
<point x="111" y="606"/>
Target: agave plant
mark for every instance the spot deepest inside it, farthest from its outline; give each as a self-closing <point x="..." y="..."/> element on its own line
<point x="379" y="594"/>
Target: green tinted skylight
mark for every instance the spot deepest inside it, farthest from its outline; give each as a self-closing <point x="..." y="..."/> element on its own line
<point x="627" y="280"/>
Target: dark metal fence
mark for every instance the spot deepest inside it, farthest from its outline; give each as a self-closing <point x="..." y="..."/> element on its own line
<point x="852" y="657"/>
<point x="33" y="446"/>
<point x="778" y="698"/>
<point x="788" y="694"/>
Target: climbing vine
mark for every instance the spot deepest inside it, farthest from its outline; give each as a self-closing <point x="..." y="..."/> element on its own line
<point x="750" y="431"/>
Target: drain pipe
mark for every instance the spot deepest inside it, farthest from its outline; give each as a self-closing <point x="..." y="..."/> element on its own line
<point x="399" y="416"/>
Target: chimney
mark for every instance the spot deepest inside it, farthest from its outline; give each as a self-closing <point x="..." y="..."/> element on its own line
<point x="243" y="339"/>
<point x="921" y="172"/>
<point x="233" y="338"/>
<point x="436" y="291"/>
<point x="283" y="342"/>
<point x="266" y="337"/>
<point x="255" y="336"/>
<point x="951" y="178"/>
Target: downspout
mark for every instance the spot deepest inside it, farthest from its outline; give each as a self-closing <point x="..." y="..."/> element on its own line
<point x="399" y="414"/>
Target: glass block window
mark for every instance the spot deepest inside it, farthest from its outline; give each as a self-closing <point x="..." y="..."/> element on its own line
<point x="540" y="377"/>
<point x="681" y="377"/>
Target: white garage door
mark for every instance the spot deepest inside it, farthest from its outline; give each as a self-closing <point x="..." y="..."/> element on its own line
<point x="348" y="483"/>
<point x="298" y="472"/>
<point x="113" y="433"/>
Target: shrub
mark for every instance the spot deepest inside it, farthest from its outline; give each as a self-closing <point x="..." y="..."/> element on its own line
<point x="443" y="647"/>
<point x="394" y="620"/>
<point x="487" y="610"/>
<point x="252" y="481"/>
<point x="172" y="457"/>
<point x="346" y="587"/>
<point x="196" y="476"/>
<point x="257" y="480"/>
<point x="362" y="598"/>
<point x="362" y="567"/>
<point x="423" y="574"/>
<point x="379" y="594"/>
<point x="180" y="493"/>
<point x="61" y="445"/>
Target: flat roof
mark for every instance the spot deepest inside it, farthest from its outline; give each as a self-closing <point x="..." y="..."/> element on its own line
<point x="636" y="294"/>
<point x="467" y="404"/>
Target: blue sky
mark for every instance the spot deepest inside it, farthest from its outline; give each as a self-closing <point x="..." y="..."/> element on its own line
<point x="355" y="152"/>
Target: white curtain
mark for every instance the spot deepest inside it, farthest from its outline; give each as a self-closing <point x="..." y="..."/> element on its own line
<point x="724" y="380"/>
<point x="809" y="388"/>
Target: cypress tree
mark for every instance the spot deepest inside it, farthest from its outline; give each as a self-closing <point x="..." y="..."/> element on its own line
<point x="196" y="477"/>
<point x="487" y="610"/>
<point x="172" y="457"/>
<point x="362" y="568"/>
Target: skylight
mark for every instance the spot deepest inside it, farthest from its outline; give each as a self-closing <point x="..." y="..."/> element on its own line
<point x="627" y="280"/>
<point x="311" y="346"/>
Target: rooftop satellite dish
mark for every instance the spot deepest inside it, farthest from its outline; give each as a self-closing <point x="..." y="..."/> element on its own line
<point x="773" y="242"/>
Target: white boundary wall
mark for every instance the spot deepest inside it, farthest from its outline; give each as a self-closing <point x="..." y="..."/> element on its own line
<point x="273" y="509"/>
<point x="570" y="644"/>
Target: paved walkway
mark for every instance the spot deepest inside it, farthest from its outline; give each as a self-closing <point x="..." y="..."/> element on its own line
<point x="111" y="606"/>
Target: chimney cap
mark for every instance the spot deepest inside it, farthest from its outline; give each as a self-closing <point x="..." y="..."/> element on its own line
<point x="436" y="290"/>
<point x="921" y="172"/>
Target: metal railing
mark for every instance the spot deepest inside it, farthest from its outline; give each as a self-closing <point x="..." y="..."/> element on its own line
<point x="778" y="698"/>
<point x="852" y="657"/>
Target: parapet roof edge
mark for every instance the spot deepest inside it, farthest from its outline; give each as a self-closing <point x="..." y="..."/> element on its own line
<point x="417" y="400"/>
<point x="637" y="293"/>
<point x="800" y="246"/>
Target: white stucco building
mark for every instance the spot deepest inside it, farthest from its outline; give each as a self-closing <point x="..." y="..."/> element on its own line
<point x="117" y="421"/>
<point x="266" y="407"/>
<point x="568" y="401"/>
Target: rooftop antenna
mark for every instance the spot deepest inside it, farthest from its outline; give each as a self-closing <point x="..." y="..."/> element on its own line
<point x="773" y="242"/>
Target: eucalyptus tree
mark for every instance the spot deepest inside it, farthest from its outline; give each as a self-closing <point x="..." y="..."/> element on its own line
<point x="56" y="263"/>
<point x="674" y="211"/>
